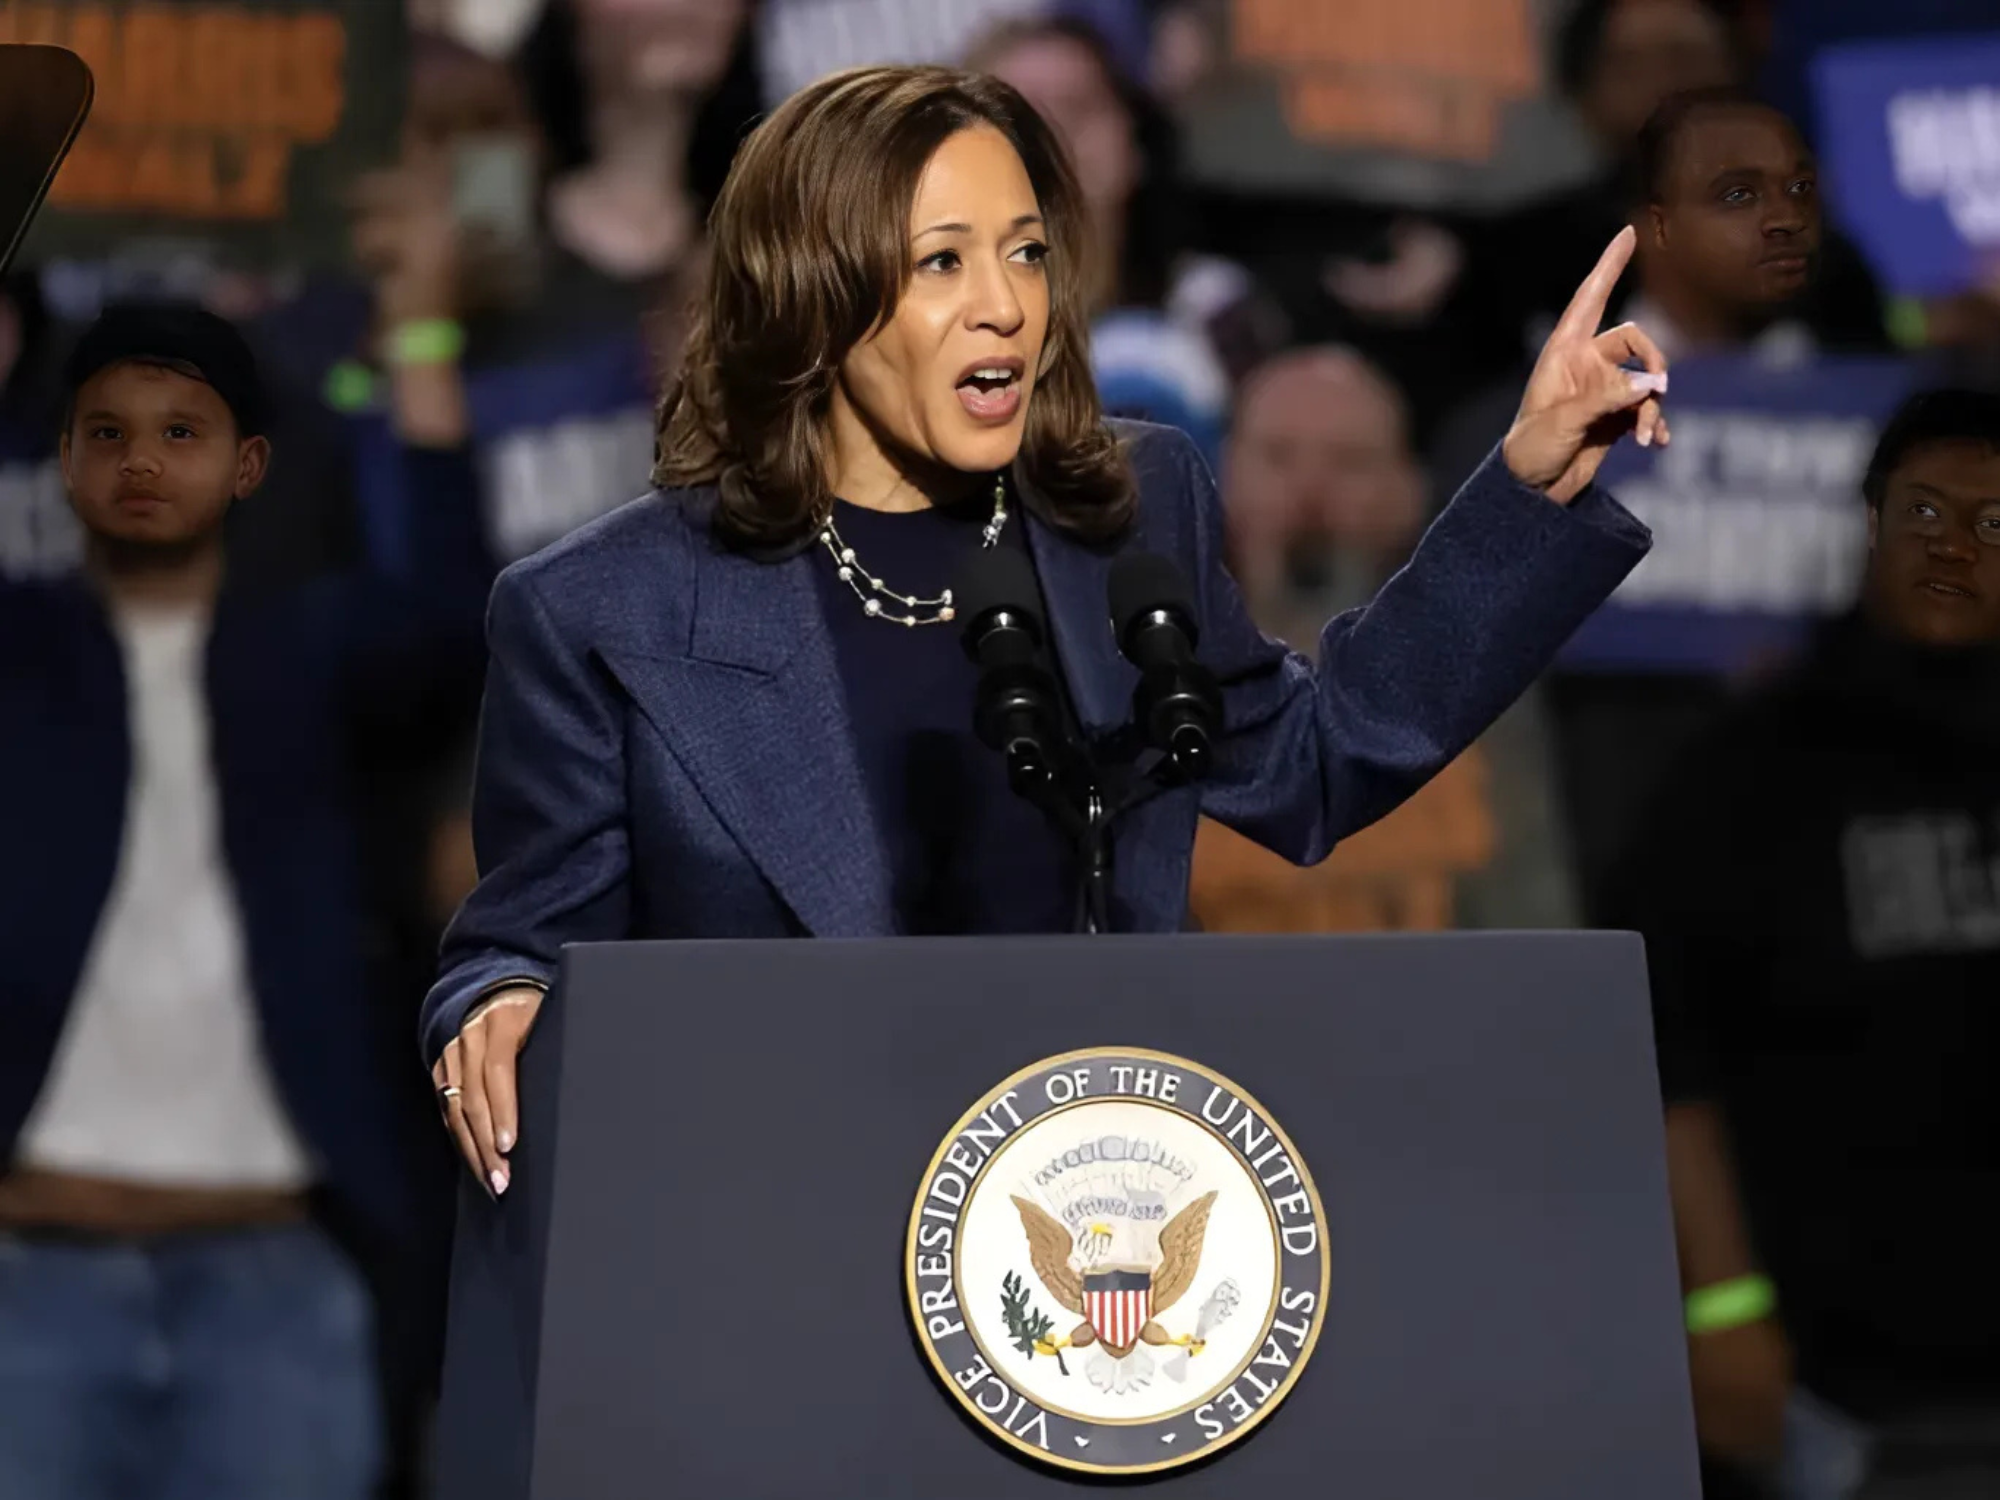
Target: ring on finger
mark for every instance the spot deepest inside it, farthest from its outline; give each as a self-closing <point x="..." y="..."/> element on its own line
<point x="449" y="1092"/>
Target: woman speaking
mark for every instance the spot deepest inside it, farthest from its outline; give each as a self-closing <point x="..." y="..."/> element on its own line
<point x="739" y="707"/>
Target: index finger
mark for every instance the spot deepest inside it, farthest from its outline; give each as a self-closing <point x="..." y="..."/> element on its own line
<point x="1586" y="309"/>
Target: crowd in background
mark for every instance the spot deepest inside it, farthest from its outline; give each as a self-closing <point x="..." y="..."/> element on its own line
<point x="1808" y="829"/>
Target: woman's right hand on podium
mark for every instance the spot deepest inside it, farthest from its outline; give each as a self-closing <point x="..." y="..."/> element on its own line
<point x="475" y="1081"/>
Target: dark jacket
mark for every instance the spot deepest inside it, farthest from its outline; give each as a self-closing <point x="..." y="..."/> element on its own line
<point x="1819" y="888"/>
<point x="665" y="750"/>
<point x="287" y="675"/>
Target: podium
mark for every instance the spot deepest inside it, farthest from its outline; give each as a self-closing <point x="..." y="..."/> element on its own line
<point x="694" y="1285"/>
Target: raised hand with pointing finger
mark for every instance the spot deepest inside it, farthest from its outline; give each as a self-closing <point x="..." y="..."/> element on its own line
<point x="1582" y="396"/>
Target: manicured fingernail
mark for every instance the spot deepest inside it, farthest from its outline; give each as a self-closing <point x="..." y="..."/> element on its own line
<point x="506" y="1140"/>
<point x="499" y="1180"/>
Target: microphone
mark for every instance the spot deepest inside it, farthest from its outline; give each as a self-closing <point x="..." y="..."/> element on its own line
<point x="1177" y="703"/>
<point x="1016" y="709"/>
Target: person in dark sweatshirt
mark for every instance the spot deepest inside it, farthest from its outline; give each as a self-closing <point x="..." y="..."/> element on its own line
<point x="1819" y="888"/>
<point x="199" y="1136"/>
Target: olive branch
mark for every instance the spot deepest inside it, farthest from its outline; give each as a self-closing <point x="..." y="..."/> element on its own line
<point x="1025" y="1324"/>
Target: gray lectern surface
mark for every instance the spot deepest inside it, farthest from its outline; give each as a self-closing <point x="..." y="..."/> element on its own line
<point x="694" y="1286"/>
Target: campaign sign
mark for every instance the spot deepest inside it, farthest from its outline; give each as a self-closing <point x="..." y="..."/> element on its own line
<point x="559" y="440"/>
<point x="236" y="121"/>
<point x="1437" y="104"/>
<point x="1759" y="528"/>
<point x="1910" y="133"/>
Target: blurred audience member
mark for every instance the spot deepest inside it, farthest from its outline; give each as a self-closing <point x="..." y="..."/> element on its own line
<point x="545" y="227"/>
<point x="194" y="1099"/>
<point x="1618" y="61"/>
<point x="628" y="207"/>
<point x="1324" y="500"/>
<point x="1731" y="243"/>
<point x="1149" y="363"/>
<point x="1817" y="887"/>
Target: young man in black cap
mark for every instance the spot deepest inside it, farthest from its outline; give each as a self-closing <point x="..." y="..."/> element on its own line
<point x="1819" y="889"/>
<point x="194" y="1083"/>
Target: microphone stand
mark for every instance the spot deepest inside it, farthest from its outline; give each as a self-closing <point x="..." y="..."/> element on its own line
<point x="1094" y="867"/>
<point x="1071" y="796"/>
<point x="1075" y="800"/>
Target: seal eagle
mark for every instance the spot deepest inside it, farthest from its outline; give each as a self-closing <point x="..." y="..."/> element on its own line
<point x="1119" y="1304"/>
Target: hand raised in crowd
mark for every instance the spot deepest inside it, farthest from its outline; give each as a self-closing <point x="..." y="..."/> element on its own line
<point x="475" y="1082"/>
<point x="406" y="238"/>
<point x="1580" y="398"/>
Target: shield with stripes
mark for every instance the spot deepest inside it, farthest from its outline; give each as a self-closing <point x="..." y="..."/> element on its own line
<point x="1118" y="1303"/>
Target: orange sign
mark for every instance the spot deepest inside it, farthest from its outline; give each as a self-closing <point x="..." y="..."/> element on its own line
<point x="221" y="116"/>
<point x="1425" y="76"/>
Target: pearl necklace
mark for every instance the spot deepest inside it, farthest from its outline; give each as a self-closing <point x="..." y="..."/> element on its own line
<point x="871" y="591"/>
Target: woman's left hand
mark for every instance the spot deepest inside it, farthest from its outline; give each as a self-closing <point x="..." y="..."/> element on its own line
<point x="1580" y="398"/>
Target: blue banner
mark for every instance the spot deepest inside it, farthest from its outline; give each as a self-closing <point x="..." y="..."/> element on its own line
<point x="1759" y="528"/>
<point x="1910" y="137"/>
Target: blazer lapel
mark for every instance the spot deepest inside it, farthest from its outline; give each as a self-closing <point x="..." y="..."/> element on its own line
<point x="1075" y="582"/>
<point x="757" y="713"/>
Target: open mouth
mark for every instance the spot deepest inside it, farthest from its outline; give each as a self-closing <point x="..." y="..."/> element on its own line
<point x="990" y="390"/>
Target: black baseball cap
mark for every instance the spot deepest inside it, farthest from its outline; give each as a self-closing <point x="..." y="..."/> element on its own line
<point x="181" y="337"/>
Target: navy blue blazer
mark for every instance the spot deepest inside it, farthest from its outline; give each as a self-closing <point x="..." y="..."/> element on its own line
<point x="286" y="675"/>
<point x="665" y="750"/>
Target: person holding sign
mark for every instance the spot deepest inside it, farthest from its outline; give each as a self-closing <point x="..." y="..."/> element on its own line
<point x="729" y="710"/>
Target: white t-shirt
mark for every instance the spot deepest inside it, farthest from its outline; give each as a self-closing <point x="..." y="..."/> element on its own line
<point x="160" y="1076"/>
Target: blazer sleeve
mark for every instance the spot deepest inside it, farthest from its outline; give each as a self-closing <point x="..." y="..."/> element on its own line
<point x="549" y="821"/>
<point x="1311" y="754"/>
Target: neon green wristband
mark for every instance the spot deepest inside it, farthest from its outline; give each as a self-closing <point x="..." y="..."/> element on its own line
<point x="427" y="341"/>
<point x="350" y="386"/>
<point x="1731" y="1304"/>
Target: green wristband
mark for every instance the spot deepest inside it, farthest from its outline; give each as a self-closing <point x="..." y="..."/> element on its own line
<point x="427" y="341"/>
<point x="1731" y="1304"/>
<point x="1907" y="323"/>
<point x="350" y="386"/>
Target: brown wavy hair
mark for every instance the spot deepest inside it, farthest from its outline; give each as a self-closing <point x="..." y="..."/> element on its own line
<point x="809" y="253"/>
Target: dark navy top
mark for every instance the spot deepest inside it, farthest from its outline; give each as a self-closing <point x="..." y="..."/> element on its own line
<point x="965" y="853"/>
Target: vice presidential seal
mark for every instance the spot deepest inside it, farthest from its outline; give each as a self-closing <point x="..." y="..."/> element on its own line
<point x="1117" y="1262"/>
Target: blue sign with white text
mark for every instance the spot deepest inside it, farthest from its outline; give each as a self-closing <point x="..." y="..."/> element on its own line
<point x="1759" y="528"/>
<point x="1910" y="135"/>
